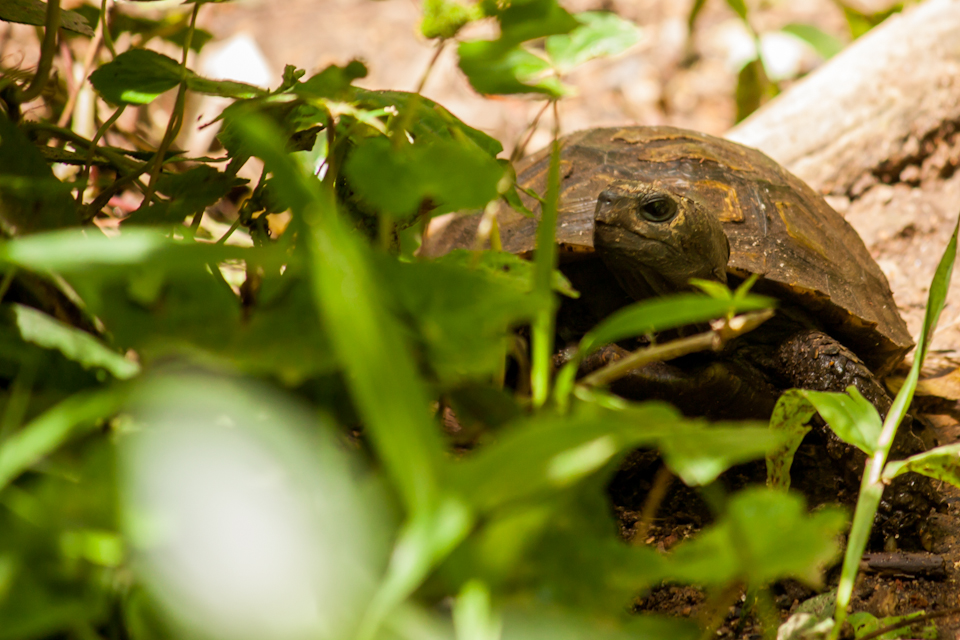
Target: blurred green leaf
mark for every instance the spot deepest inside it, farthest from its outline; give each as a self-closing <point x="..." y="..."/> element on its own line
<point x="428" y="119"/>
<point x="509" y="267"/>
<point x="38" y="328"/>
<point x="822" y="42"/>
<point x="45" y="434"/>
<point x="391" y="400"/>
<point x="860" y="22"/>
<point x="189" y="192"/>
<point x="790" y="417"/>
<point x="444" y="18"/>
<point x="531" y="19"/>
<point x="163" y="28"/>
<point x="333" y="81"/>
<point x="850" y="416"/>
<point x="865" y="623"/>
<point x="698" y="456"/>
<point x="452" y="175"/>
<point x="599" y="34"/>
<point x="764" y="536"/>
<point x="753" y="88"/>
<point x="463" y="317"/>
<point x="31" y="198"/>
<point x="493" y="70"/>
<point x="739" y="7"/>
<point x="34" y="12"/>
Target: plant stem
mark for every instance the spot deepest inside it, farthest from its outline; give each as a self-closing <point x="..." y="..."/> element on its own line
<point x="709" y="340"/>
<point x="544" y="263"/>
<point x="47" y="53"/>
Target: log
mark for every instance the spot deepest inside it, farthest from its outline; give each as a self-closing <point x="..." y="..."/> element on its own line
<point x="877" y="130"/>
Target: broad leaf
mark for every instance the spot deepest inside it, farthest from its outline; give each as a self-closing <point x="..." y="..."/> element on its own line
<point x="34" y="12"/>
<point x="600" y="34"/>
<point x="491" y="69"/>
<point x="850" y="416"/>
<point x="822" y="42"/>
<point x="790" y="417"/>
<point x="941" y="463"/>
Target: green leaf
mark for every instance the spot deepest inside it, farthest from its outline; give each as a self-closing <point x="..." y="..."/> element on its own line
<point x="790" y="417"/>
<point x="40" y="329"/>
<point x="940" y="463"/>
<point x="531" y="19"/>
<point x="822" y="42"/>
<point x="171" y="26"/>
<point x="753" y="88"/>
<point x="391" y="400"/>
<point x="444" y="18"/>
<point x="34" y="12"/>
<point x="189" y="192"/>
<point x="865" y="623"/>
<point x="699" y="456"/>
<point x="548" y="452"/>
<point x="493" y="70"/>
<point x="461" y="317"/>
<point x="473" y="615"/>
<point x="850" y="416"/>
<point x="136" y="76"/>
<point x="139" y="76"/>
<point x="427" y="118"/>
<point x="449" y="174"/>
<point x="669" y="312"/>
<point x="764" y="536"/>
<point x="599" y="34"/>
<point x="45" y="434"/>
<point x="511" y="268"/>
<point x="31" y="198"/>
<point x="333" y="81"/>
<point x="739" y="7"/>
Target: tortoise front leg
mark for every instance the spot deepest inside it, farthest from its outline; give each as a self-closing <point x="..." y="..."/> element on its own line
<point x="813" y="360"/>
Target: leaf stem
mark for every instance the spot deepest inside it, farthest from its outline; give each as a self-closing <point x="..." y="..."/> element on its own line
<point x="709" y="340"/>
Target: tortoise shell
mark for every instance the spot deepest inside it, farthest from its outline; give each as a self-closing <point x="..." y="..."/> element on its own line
<point x="778" y="228"/>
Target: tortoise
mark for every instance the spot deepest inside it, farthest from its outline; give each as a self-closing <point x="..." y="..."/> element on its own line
<point x="660" y="205"/>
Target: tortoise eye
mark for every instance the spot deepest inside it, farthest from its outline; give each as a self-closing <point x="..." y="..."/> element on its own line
<point x="658" y="209"/>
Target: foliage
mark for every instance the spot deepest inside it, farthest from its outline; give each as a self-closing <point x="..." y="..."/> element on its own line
<point x="235" y="433"/>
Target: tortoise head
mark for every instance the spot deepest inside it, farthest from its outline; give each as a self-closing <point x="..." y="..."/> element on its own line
<point x="655" y="240"/>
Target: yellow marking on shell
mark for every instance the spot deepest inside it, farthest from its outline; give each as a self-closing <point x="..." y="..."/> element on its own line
<point x="796" y="231"/>
<point x="731" y="211"/>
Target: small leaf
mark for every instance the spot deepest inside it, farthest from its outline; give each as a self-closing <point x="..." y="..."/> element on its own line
<point x="445" y="18"/>
<point x="492" y="70"/>
<point x="40" y="329"/>
<point x="31" y="197"/>
<point x="790" y="417"/>
<point x="941" y="463"/>
<point x="44" y="434"/>
<point x="137" y="76"/>
<point x="34" y="12"/>
<point x="753" y="88"/>
<point x="600" y="34"/>
<point x="450" y="174"/>
<point x="764" y="536"/>
<point x="739" y="7"/>
<point x="531" y="19"/>
<point x="333" y="81"/>
<point x="822" y="42"/>
<point x="699" y="456"/>
<point x="850" y="416"/>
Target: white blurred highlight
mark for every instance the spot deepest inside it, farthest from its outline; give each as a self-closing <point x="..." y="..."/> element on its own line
<point x="247" y="527"/>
